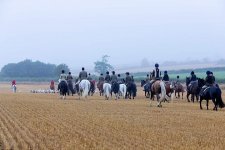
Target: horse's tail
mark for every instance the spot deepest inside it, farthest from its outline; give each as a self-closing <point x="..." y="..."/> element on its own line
<point x="219" y="99"/>
<point x="106" y="88"/>
<point x="163" y="91"/>
<point x="86" y="89"/>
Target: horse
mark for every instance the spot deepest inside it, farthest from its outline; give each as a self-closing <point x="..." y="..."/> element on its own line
<point x="70" y="88"/>
<point x="92" y="88"/>
<point x="100" y="88"/>
<point x="194" y="89"/>
<point x="131" y="90"/>
<point x="169" y="89"/>
<point x="212" y="93"/>
<point x="106" y="90"/>
<point x="84" y="87"/>
<point x="14" y="88"/>
<point x="115" y="89"/>
<point x="123" y="90"/>
<point x="146" y="87"/>
<point x="63" y="89"/>
<point x="179" y="88"/>
<point x="157" y="88"/>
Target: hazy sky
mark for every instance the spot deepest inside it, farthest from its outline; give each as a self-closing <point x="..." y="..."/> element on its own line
<point x="78" y="32"/>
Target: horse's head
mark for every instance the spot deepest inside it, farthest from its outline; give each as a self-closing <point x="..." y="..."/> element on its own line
<point x="188" y="80"/>
<point x="143" y="83"/>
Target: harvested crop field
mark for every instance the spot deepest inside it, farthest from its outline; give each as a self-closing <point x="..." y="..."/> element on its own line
<point x="43" y="121"/>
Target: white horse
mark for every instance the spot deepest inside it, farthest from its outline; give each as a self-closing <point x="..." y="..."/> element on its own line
<point x="107" y="90"/>
<point x="84" y="87"/>
<point x="14" y="88"/>
<point x="123" y="90"/>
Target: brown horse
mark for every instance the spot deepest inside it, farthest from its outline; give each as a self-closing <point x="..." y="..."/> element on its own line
<point x="169" y="88"/>
<point x="100" y="88"/>
<point x="179" y="88"/>
<point x="157" y="88"/>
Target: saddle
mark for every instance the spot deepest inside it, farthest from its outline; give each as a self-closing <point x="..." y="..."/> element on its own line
<point x="191" y="85"/>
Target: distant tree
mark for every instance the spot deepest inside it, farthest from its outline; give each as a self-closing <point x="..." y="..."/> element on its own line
<point x="103" y="65"/>
<point x="27" y="68"/>
<point x="59" y="68"/>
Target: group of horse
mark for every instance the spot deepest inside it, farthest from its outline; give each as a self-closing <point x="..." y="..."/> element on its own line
<point x="194" y="89"/>
<point x="118" y="89"/>
<point x="82" y="88"/>
<point x="86" y="87"/>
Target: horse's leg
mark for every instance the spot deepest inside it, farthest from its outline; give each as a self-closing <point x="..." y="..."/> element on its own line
<point x="182" y="95"/>
<point x="188" y="94"/>
<point x="201" y="103"/>
<point x="207" y="104"/>
<point x="193" y="98"/>
<point x="215" y="104"/>
<point x="197" y="97"/>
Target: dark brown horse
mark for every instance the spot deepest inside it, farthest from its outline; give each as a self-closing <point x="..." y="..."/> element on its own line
<point x="194" y="89"/>
<point x="100" y="88"/>
<point x="179" y="88"/>
<point x="212" y="93"/>
<point x="169" y="88"/>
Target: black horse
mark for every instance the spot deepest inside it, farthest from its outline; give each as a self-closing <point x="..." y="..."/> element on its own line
<point x="194" y="89"/>
<point x="212" y="93"/>
<point x="115" y="89"/>
<point x="70" y="88"/>
<point x="63" y="89"/>
<point x="131" y="90"/>
<point x="146" y="87"/>
<point x="92" y="88"/>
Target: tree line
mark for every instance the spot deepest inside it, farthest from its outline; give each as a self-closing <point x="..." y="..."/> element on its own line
<point x="30" y="69"/>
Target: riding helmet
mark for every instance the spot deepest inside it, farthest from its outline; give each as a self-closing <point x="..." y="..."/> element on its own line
<point x="156" y="65"/>
<point x="192" y="72"/>
<point x="208" y="72"/>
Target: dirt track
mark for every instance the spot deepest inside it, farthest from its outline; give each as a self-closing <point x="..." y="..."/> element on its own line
<point x="43" y="121"/>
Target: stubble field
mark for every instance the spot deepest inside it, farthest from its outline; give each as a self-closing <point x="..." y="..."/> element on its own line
<point x="43" y="121"/>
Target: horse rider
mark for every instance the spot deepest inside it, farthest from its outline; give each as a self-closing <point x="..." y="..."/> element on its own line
<point x="63" y="77"/>
<point x="209" y="81"/>
<point x="120" y="79"/>
<point x="89" y="78"/>
<point x="83" y="74"/>
<point x="107" y="78"/>
<point x="156" y="72"/>
<point x="101" y="78"/>
<point x="69" y="78"/>
<point x="113" y="77"/>
<point x="166" y="77"/>
<point x="147" y="79"/>
<point x="156" y="75"/>
<point x="178" y="80"/>
<point x="128" y="79"/>
<point x="193" y="77"/>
